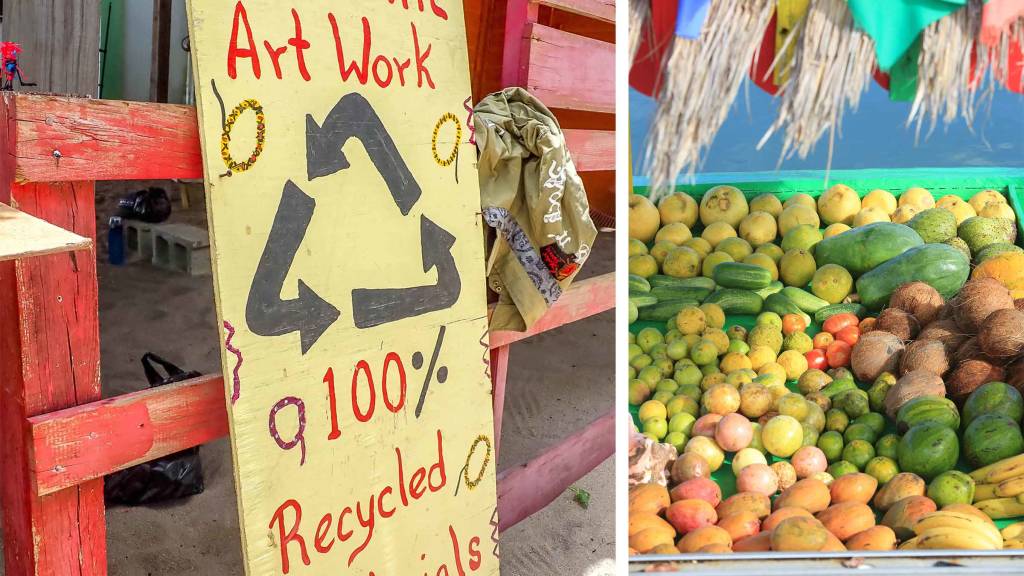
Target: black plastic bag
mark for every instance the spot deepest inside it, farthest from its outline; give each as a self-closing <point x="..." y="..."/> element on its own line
<point x="173" y="476"/>
<point x="151" y="205"/>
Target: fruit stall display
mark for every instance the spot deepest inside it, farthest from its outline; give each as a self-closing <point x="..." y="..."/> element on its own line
<point x="823" y="370"/>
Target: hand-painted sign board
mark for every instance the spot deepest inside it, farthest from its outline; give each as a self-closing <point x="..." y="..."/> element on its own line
<point x="349" y="274"/>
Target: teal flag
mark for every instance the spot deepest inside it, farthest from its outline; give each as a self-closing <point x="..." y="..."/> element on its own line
<point x="895" y="25"/>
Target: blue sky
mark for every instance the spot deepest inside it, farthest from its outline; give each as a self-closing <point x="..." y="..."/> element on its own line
<point x="875" y="136"/>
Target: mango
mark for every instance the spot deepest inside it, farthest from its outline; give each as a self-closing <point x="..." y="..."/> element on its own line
<point x="799" y="534"/>
<point x="639" y="521"/>
<point x="688" y="515"/>
<point x="847" y="518"/>
<point x="646" y="540"/>
<point x="902" y="485"/>
<point x="781" y="514"/>
<point x="856" y="487"/>
<point x="810" y="494"/>
<point x="902" y="515"/>
<point x="651" y="498"/>
<point x="702" y="537"/>
<point x="740" y="525"/>
<point x="874" y="538"/>
<point x="760" y="542"/>
<point x="759" y="504"/>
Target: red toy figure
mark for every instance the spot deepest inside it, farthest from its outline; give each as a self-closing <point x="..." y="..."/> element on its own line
<point x="9" y="51"/>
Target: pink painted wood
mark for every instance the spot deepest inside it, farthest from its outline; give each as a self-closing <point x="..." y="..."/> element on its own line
<point x="499" y="374"/>
<point x="603" y="10"/>
<point x="528" y="488"/>
<point x="591" y="150"/>
<point x="581" y="83"/>
<point x="584" y="298"/>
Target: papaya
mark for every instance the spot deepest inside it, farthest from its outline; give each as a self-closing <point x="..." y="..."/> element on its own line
<point x="1007" y="268"/>
<point x="902" y="516"/>
<point x="939" y="265"/>
<point x="846" y="519"/>
<point x="862" y="249"/>
<point x="902" y="485"/>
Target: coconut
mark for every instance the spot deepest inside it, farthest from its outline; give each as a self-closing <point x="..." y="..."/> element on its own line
<point x="1019" y="304"/>
<point x="970" y="349"/>
<point x="945" y="331"/>
<point x="874" y="353"/>
<point x="979" y="298"/>
<point x="969" y="375"/>
<point x="912" y="385"/>
<point x="1015" y="374"/>
<point x="1002" y="335"/>
<point x="899" y="323"/>
<point x="919" y="299"/>
<point x="927" y="355"/>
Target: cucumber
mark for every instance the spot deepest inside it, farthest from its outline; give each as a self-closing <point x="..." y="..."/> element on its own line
<point x="772" y="288"/>
<point x="662" y="281"/>
<point x="638" y="284"/>
<point x="740" y="275"/>
<point x="642" y="300"/>
<point x="836" y="387"/>
<point x="663" y="311"/>
<point x="668" y="294"/>
<point x="735" y="301"/>
<point x="832" y="309"/>
<point x="781" y="305"/>
<point x="804" y="300"/>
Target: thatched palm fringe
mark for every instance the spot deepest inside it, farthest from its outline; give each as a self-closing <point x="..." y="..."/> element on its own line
<point x="639" y="19"/>
<point x="1001" y="62"/>
<point x="702" y="78"/>
<point x="944" y="69"/>
<point x="831" y="70"/>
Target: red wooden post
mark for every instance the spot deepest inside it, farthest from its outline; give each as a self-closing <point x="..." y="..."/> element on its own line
<point x="518" y="15"/>
<point x="49" y="360"/>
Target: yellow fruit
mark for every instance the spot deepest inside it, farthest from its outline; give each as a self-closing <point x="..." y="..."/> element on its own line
<point x="644" y="218"/>
<point x="644" y="265"/>
<point x="771" y="250"/>
<point x="746" y="457"/>
<point x="796" y="215"/>
<point x="835" y="230"/>
<point x="682" y="262"/>
<point x="735" y="247"/>
<point x="961" y="210"/>
<point x="678" y="207"/>
<point x="706" y="447"/>
<point x="723" y="204"/>
<point x="636" y="248"/>
<point x="766" y="203"/>
<point x="997" y="210"/>
<point x="782" y="436"/>
<point x="793" y="362"/>
<point x="759" y="228"/>
<point x="800" y="199"/>
<point x="700" y="245"/>
<point x="870" y="216"/>
<point x="903" y="214"/>
<point x="760" y="356"/>
<point x="775" y="369"/>
<point x="676" y="233"/>
<point x="652" y="409"/>
<point x="691" y="320"/>
<point x="797" y="268"/>
<point x="733" y="361"/>
<point x="714" y="316"/>
<point x="839" y="203"/>
<point x="661" y="249"/>
<point x="716" y="232"/>
<point x="979" y="200"/>
<point x="879" y="198"/>
<point x="712" y="260"/>
<point x="765" y="261"/>
<point x="919" y="198"/>
<point x="717" y="337"/>
<point x="832" y="283"/>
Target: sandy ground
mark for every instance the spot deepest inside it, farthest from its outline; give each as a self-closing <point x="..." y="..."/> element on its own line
<point x="558" y="382"/>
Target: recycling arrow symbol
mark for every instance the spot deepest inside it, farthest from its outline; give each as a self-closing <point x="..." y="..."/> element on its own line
<point x="267" y="314"/>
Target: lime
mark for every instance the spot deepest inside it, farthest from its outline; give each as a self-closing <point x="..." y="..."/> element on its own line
<point x="887" y="446"/>
<point x="883" y="469"/>
<point x="858" y="453"/>
<point x="656" y="426"/>
<point x="840" y="468"/>
<point x="831" y="443"/>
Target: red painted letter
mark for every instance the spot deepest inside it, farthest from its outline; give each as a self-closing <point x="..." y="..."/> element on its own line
<point x="234" y="51"/>
<point x="300" y="44"/>
<point x="474" y="553"/>
<point x="321" y="531"/>
<point x="292" y="534"/>
<point x="421" y="59"/>
<point x="362" y="73"/>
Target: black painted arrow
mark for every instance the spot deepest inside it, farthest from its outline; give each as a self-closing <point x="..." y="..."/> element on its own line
<point x="265" y="312"/>
<point x="372" y="307"/>
<point x="354" y="117"/>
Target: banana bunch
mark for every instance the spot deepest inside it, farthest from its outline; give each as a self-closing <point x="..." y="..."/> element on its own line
<point x="1013" y="536"/>
<point x="948" y="530"/>
<point x="999" y="491"/>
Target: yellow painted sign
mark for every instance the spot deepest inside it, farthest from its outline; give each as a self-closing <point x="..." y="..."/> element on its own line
<point x="349" y="274"/>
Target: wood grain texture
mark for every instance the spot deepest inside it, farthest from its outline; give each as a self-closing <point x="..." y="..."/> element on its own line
<point x="528" y="488"/>
<point x="92" y="440"/>
<point x="23" y="235"/>
<point x="583" y="81"/>
<point x="49" y="343"/>
<point x="103" y="140"/>
<point x="499" y="375"/>
<point x="598" y="9"/>
<point x="60" y="43"/>
<point x="591" y="150"/>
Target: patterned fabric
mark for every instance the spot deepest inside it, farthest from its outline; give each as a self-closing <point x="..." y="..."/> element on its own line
<point x="538" y="273"/>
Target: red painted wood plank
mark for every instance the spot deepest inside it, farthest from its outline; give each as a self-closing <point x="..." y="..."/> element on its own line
<point x="92" y="440"/>
<point x="584" y="298"/>
<point x="569" y="71"/>
<point x="103" y="140"/>
<point x="49" y="359"/>
<point x="598" y="9"/>
<point x="591" y="150"/>
<point x="532" y="486"/>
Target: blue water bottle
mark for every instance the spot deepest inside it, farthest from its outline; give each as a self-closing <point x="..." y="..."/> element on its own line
<point x="115" y="241"/>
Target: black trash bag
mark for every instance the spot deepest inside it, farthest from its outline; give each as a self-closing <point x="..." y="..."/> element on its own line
<point x="151" y="205"/>
<point x="173" y="476"/>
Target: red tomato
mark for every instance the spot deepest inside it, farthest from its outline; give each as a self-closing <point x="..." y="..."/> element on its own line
<point x="822" y="340"/>
<point x="793" y="323"/>
<point x="838" y="354"/>
<point x="816" y="359"/>
<point x="850" y="334"/>
<point x="838" y="322"/>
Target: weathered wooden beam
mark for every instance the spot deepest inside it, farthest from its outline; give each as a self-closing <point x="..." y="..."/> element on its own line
<point x="528" y="488"/>
<point x="583" y="84"/>
<point x="584" y="298"/>
<point x="60" y="41"/>
<point x="603" y="10"/>
<point x="23" y="235"/>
